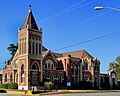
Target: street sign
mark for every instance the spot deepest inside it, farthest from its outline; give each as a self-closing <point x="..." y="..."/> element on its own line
<point x="68" y="84"/>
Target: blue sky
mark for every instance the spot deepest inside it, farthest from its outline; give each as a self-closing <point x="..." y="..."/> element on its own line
<point x="79" y="24"/>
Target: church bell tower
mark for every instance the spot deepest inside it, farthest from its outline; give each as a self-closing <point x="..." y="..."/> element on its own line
<point x="29" y="55"/>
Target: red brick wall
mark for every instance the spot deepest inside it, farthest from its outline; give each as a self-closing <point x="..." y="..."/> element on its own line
<point x="23" y="62"/>
<point x="68" y="70"/>
<point x="8" y="72"/>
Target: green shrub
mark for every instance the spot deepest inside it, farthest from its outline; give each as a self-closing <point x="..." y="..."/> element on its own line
<point x="9" y="86"/>
<point x="5" y="86"/>
<point x="13" y="86"/>
<point x="49" y="85"/>
<point x="1" y="85"/>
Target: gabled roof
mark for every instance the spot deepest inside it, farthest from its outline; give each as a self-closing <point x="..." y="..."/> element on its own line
<point x="30" y="21"/>
<point x="48" y="53"/>
<point x="79" y="54"/>
<point x="57" y="55"/>
<point x="44" y="49"/>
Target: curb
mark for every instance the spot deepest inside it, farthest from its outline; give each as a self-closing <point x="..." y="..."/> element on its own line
<point x="78" y="91"/>
<point x="56" y="92"/>
<point x="19" y="92"/>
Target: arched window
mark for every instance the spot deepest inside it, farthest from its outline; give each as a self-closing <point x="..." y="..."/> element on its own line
<point x="52" y="78"/>
<point x="86" y="66"/>
<point x="20" y="47"/>
<point x="113" y="75"/>
<point x="77" y="69"/>
<point x="16" y="77"/>
<point x="22" y="74"/>
<point x="96" y="79"/>
<point x="6" y="78"/>
<point x="48" y="65"/>
<point x="39" y="48"/>
<point x="33" y="47"/>
<point x="52" y="66"/>
<point x="34" y="68"/>
<point x="60" y="79"/>
<point x="25" y="45"/>
<point x="45" y="65"/>
<point x="36" y="48"/>
<point x="72" y="67"/>
<point x="11" y="78"/>
<point x="30" y="47"/>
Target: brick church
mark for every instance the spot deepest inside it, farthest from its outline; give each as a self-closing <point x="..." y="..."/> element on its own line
<point x="33" y="63"/>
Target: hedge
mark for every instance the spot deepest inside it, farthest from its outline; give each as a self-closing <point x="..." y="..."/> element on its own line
<point x="9" y="86"/>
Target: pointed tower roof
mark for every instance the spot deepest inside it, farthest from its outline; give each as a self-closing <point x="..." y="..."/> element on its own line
<point x="30" y="21"/>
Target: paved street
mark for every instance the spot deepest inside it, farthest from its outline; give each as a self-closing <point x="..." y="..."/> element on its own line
<point x="6" y="94"/>
<point x="89" y="94"/>
<point x="75" y="94"/>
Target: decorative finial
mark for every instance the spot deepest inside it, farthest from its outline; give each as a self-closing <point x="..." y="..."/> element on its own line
<point x="30" y="8"/>
<point x="41" y="30"/>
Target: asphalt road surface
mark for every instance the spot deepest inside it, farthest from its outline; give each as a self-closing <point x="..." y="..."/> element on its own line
<point x="89" y="94"/>
<point x="6" y="94"/>
<point x="74" y="94"/>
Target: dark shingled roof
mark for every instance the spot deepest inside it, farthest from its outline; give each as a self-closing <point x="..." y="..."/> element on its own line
<point x="79" y="54"/>
<point x="44" y="49"/>
<point x="57" y="55"/>
<point x="30" y="21"/>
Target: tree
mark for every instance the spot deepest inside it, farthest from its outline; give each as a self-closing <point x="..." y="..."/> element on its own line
<point x="115" y="65"/>
<point x="12" y="49"/>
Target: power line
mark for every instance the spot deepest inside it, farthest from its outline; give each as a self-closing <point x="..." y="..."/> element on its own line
<point x="71" y="8"/>
<point x="89" y="40"/>
<point x="68" y="9"/>
<point x="88" y="21"/>
<point x="86" y="41"/>
<point x="62" y="11"/>
<point x="85" y="21"/>
<point x="82" y="6"/>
